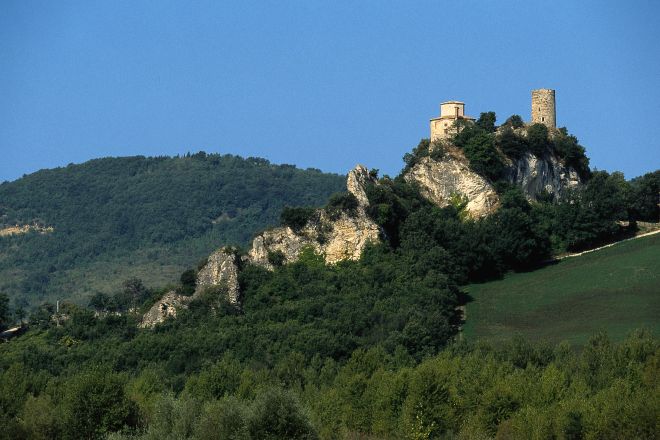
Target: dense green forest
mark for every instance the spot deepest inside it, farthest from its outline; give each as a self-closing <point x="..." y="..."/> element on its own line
<point x="367" y="349"/>
<point x="146" y="217"/>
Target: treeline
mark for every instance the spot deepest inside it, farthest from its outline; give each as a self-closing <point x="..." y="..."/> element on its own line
<point x="516" y="391"/>
<point x="140" y="216"/>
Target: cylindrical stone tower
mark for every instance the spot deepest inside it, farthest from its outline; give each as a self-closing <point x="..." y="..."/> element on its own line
<point x="543" y="107"/>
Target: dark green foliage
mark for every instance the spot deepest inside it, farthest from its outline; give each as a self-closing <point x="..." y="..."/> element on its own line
<point x="587" y="217"/>
<point x="188" y="281"/>
<point x="276" y="258"/>
<point x="4" y="312"/>
<point x="514" y="121"/>
<point x="420" y="151"/>
<point x="296" y="218"/>
<point x="645" y="197"/>
<point x="341" y="202"/>
<point x="391" y="202"/>
<point x="276" y="415"/>
<point x="511" y="144"/>
<point x="94" y="403"/>
<point x="567" y="147"/>
<point x="486" y="122"/>
<point x="537" y="139"/>
<point x="483" y="156"/>
<point x="140" y="217"/>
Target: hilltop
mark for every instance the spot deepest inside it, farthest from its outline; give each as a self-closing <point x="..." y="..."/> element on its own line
<point x="81" y="229"/>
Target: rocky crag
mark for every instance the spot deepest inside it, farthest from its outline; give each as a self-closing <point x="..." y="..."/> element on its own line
<point x="337" y="237"/>
<point x="221" y="269"/>
<point x="440" y="179"/>
<point x="343" y="235"/>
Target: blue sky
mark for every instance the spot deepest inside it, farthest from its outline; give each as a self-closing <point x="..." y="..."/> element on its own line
<point x="317" y="83"/>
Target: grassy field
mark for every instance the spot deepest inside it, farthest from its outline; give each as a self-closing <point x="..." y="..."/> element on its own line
<point x="615" y="290"/>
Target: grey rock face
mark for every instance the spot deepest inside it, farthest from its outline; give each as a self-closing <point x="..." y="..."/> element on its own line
<point x="439" y="179"/>
<point x="547" y="174"/>
<point x="221" y="269"/>
<point x="164" y="308"/>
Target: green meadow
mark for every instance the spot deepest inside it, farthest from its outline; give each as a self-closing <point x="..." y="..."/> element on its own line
<point x="615" y="290"/>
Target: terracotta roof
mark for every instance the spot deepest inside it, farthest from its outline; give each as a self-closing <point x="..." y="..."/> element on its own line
<point x="452" y="117"/>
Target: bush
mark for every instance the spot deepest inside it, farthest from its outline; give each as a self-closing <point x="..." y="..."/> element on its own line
<point x="511" y="144"/>
<point x="277" y="414"/>
<point x="514" y="121"/>
<point x="296" y="218"/>
<point x="486" y="122"/>
<point x="567" y="147"/>
<point x="342" y="202"/>
<point x="483" y="156"/>
<point x="276" y="258"/>
<point x="537" y="138"/>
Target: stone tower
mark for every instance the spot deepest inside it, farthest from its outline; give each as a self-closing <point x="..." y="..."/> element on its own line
<point x="543" y="108"/>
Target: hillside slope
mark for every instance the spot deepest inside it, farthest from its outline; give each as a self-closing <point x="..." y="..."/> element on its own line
<point x="117" y="218"/>
<point x="614" y="290"/>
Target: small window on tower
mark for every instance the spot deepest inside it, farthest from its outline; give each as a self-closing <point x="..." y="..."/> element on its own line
<point x="542" y="119"/>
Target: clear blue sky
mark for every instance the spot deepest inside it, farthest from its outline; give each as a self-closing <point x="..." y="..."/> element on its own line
<point x="324" y="84"/>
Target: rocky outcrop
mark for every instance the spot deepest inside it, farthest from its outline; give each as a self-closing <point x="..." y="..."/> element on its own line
<point x="336" y="238"/>
<point x="164" y="308"/>
<point x="221" y="269"/>
<point x="439" y="180"/>
<point x="537" y="175"/>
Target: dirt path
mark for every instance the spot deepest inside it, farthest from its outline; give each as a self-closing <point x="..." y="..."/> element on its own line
<point x="577" y="254"/>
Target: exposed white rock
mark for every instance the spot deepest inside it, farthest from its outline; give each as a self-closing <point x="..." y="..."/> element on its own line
<point x="164" y="308"/>
<point x="439" y="180"/>
<point x="336" y="239"/>
<point x="356" y="183"/>
<point x="221" y="269"/>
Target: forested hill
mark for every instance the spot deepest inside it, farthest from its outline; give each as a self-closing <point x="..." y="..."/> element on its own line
<point x="147" y="217"/>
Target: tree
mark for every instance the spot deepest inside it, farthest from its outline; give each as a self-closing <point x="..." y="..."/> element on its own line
<point x="514" y="121"/>
<point x="483" y="156"/>
<point x="537" y="137"/>
<point x="296" y="218"/>
<point x="511" y="144"/>
<point x="486" y="122"/>
<point x="5" y="316"/>
<point x="277" y="414"/>
<point x="645" y="203"/>
<point x="95" y="404"/>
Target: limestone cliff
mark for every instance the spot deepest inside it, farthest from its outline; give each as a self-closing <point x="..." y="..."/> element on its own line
<point x="535" y="175"/>
<point x="439" y="179"/>
<point x="336" y="238"/>
<point x="164" y="308"/>
<point x="221" y="269"/>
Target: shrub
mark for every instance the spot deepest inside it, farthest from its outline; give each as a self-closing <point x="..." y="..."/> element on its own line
<point x="296" y="217"/>
<point x="483" y="156"/>
<point x="514" y="121"/>
<point x="486" y="121"/>
<point x="341" y="202"/>
<point x="511" y="144"/>
<point x="537" y="137"/>
<point x="276" y="258"/>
